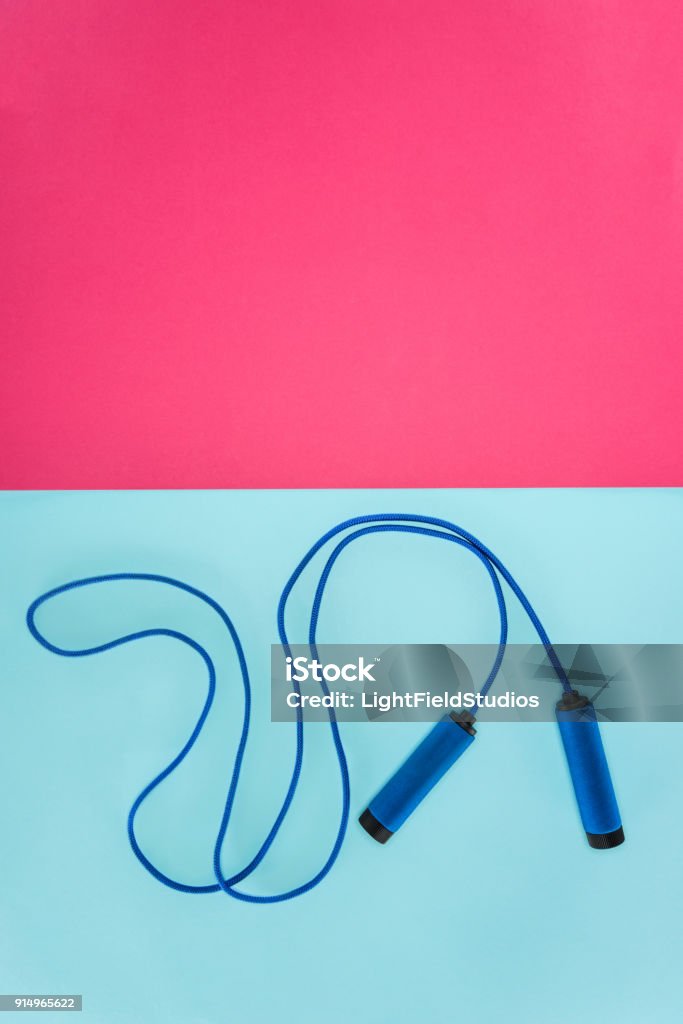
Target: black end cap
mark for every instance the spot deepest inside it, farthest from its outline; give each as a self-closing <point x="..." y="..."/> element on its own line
<point x="373" y="827"/>
<point x="465" y="720"/>
<point x="572" y="700"/>
<point x="606" y="840"/>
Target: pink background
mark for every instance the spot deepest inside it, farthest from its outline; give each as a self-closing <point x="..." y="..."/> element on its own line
<point x="349" y="243"/>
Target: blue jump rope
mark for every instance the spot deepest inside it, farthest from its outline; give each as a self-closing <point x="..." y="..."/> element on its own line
<point x="419" y="773"/>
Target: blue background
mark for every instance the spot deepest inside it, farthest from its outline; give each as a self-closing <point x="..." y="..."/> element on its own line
<point x="499" y="913"/>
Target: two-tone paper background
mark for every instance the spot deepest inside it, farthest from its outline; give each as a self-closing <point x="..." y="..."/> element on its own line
<point x="266" y="266"/>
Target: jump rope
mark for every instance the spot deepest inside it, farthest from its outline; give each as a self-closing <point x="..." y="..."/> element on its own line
<point x="419" y="773"/>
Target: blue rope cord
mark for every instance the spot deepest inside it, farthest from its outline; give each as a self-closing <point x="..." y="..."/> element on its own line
<point x="389" y="522"/>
